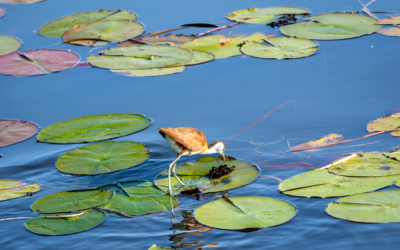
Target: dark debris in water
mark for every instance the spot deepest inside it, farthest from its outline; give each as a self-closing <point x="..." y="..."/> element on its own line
<point x="220" y="171"/>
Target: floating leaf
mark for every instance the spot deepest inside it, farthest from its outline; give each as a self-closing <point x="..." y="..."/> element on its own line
<point x="222" y="46"/>
<point x="390" y="20"/>
<point x="58" y="27"/>
<point x="93" y="128"/>
<point x="264" y="15"/>
<point x="15" y="189"/>
<point x="195" y="175"/>
<point x="321" y="183"/>
<point x="102" y="158"/>
<point x="332" y="27"/>
<point x="19" y="1"/>
<point x="386" y="123"/>
<point x="2" y="12"/>
<point x="394" y="155"/>
<point x="154" y="247"/>
<point x="377" y="207"/>
<point x="8" y="44"/>
<point x="141" y="57"/>
<point x="13" y="131"/>
<point x="149" y="72"/>
<point x="37" y="62"/>
<point x="71" y="201"/>
<point x="200" y="57"/>
<point x="62" y="226"/>
<point x="394" y="31"/>
<point x="367" y="164"/>
<point x="326" y="140"/>
<point x="282" y="47"/>
<point x="167" y="39"/>
<point x="245" y="213"/>
<point x="138" y="197"/>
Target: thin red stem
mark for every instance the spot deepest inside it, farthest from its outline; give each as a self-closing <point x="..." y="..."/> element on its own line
<point x="216" y="29"/>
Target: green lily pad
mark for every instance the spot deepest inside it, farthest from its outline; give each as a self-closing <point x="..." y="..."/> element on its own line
<point x="167" y="39"/>
<point x="15" y="189"/>
<point x="19" y="1"/>
<point x="149" y="72"/>
<point x="385" y="123"/>
<point x="102" y="158"/>
<point x="282" y="48"/>
<point x="222" y="46"/>
<point x="332" y="27"/>
<point x="14" y="131"/>
<point x="245" y="212"/>
<point x="394" y="155"/>
<point x="93" y="128"/>
<point x="141" y="57"/>
<point x="195" y="175"/>
<point x="264" y="15"/>
<point x="154" y="247"/>
<point x="200" y="57"/>
<point x="367" y="164"/>
<point x="376" y="207"/>
<point x="71" y="201"/>
<point x="321" y="183"/>
<point x="9" y="44"/>
<point x="58" y="27"/>
<point x="2" y="12"/>
<point x="62" y="226"/>
<point x="137" y="198"/>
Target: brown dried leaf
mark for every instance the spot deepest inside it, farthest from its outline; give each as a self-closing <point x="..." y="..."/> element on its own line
<point x="328" y="139"/>
<point x="394" y="31"/>
<point x="390" y="20"/>
<point x="13" y="131"/>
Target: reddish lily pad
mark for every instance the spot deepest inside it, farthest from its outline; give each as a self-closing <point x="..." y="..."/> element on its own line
<point x="390" y="20"/>
<point x="2" y="12"/>
<point x="13" y="131"/>
<point x="19" y="1"/>
<point x="37" y="62"/>
<point x="393" y="31"/>
<point x="9" y="44"/>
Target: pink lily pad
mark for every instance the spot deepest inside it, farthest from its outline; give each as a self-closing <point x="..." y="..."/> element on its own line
<point x="13" y="131"/>
<point x="2" y="12"/>
<point x="19" y="1"/>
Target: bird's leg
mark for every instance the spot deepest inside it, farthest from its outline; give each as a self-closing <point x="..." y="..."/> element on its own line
<point x="173" y="172"/>
<point x="169" y="174"/>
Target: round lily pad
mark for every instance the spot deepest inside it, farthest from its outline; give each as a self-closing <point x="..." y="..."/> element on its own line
<point x="93" y="128"/>
<point x="141" y="57"/>
<point x="71" y="201"/>
<point x="37" y="62"/>
<point x="14" y="131"/>
<point x="200" y="57"/>
<point x="367" y="164"/>
<point x="245" y="213"/>
<point x="15" y="189"/>
<point x="376" y="207"/>
<point x="155" y="247"/>
<point x="321" y="183"/>
<point x="102" y="158"/>
<point x="264" y="15"/>
<point x="149" y="72"/>
<point x="282" y="48"/>
<point x="2" y="12"/>
<point x="167" y="39"/>
<point x="62" y="226"/>
<point x="393" y="31"/>
<point x="8" y="44"/>
<point x="19" y="1"/>
<point x="332" y="27"/>
<point x="394" y="155"/>
<point x="385" y="123"/>
<point x="195" y="175"/>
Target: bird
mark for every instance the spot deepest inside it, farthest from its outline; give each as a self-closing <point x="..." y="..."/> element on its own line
<point x="188" y="141"/>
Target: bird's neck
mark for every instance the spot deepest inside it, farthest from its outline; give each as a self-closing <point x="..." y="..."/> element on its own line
<point x="209" y="150"/>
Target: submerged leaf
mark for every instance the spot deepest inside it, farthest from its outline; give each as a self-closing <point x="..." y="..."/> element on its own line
<point x="245" y="213"/>
<point x="8" y="44"/>
<point x="63" y="226"/>
<point x="376" y="207"/>
<point x="282" y="48"/>
<point x="93" y="128"/>
<point x="13" y="131"/>
<point x="195" y="175"/>
<point x="15" y="189"/>
<point x="37" y="62"/>
<point x="326" y="140"/>
<point x="390" y="20"/>
<point x="394" y="31"/>
<point x="149" y="72"/>
<point x="102" y="158"/>
<point x="19" y="1"/>
<point x="385" y="123"/>
<point x="169" y="38"/>
<point x="264" y="15"/>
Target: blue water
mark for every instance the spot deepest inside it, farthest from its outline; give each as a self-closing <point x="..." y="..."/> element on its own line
<point x="339" y="90"/>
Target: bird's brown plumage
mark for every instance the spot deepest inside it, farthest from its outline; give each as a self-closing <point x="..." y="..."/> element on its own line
<point x="191" y="138"/>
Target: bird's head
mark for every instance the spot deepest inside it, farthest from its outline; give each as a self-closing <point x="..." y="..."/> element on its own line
<point x="217" y="147"/>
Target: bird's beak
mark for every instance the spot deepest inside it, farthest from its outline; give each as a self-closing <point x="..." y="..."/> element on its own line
<point x="223" y="156"/>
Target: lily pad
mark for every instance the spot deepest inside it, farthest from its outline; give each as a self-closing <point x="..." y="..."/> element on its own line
<point x="167" y="39"/>
<point x="137" y="198"/>
<point x="19" y="1"/>
<point x="321" y="183"/>
<point x="390" y="20"/>
<point x="58" y="27"/>
<point x="394" y="155"/>
<point x="245" y="213"/>
<point x="15" y="189"/>
<point x="195" y="175"/>
<point x="2" y="12"/>
<point x="393" y="31"/>
<point x="327" y="139"/>
<point x="93" y="128"/>
<point x="154" y="247"/>
<point x="8" y="44"/>
<point x="14" y="131"/>
<point x="376" y="207"/>
<point x="102" y="158"/>
<point x="200" y="57"/>
<point x="37" y="62"/>
<point x="71" y="201"/>
<point x="149" y="72"/>
<point x="282" y="48"/>
<point x="63" y="226"/>
<point x="141" y="57"/>
<point x="385" y="123"/>
<point x="367" y="164"/>
<point x="222" y="46"/>
<point x="264" y="15"/>
<point x="332" y="27"/>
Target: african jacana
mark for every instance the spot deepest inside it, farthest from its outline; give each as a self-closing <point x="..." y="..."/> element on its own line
<point x="188" y="141"/>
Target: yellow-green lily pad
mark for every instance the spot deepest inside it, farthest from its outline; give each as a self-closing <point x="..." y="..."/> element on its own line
<point x="15" y="189"/>
<point x="9" y="44"/>
<point x="149" y="72"/>
<point x="386" y="123"/>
